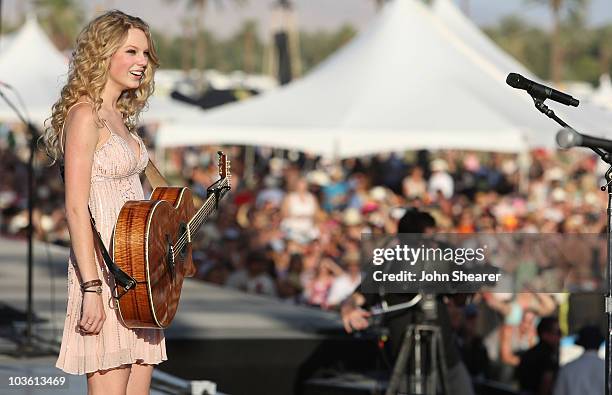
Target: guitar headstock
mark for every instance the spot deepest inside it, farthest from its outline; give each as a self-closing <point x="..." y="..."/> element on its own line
<point x="224" y="167"/>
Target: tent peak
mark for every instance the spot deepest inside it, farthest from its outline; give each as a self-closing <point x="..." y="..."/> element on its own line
<point x="31" y="21"/>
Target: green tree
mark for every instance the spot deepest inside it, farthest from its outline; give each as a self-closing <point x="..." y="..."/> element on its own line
<point x="580" y="50"/>
<point x="198" y="9"/>
<point x="527" y="44"/>
<point x="319" y="45"/>
<point x="573" y="7"/>
<point x="247" y="48"/>
<point x="230" y="54"/>
<point x="586" y="51"/>
<point x="62" y="19"/>
<point x="603" y="42"/>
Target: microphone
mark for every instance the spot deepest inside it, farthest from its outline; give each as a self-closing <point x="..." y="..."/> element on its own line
<point x="540" y="91"/>
<point x="568" y="138"/>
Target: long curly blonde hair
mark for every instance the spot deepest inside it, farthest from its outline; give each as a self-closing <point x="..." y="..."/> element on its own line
<point x="88" y="73"/>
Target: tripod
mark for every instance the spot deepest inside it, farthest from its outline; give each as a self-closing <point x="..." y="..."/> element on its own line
<point x="428" y="370"/>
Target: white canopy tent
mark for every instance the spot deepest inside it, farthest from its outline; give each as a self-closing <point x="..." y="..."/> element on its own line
<point x="409" y="81"/>
<point x="589" y="117"/>
<point x="35" y="69"/>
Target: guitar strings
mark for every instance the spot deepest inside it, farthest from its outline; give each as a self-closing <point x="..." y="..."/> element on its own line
<point x="180" y="243"/>
<point x="199" y="216"/>
<point x="182" y="240"/>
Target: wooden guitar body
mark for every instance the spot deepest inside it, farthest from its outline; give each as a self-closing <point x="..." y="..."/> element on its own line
<point x="144" y="239"/>
<point x="152" y="245"/>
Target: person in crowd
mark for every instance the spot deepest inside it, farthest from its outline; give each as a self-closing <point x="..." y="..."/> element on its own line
<point x="538" y="367"/>
<point x="254" y="278"/>
<point x="344" y="284"/>
<point x="440" y="182"/>
<point x="517" y="338"/>
<point x="518" y="332"/>
<point x="355" y="314"/>
<point x="585" y="375"/>
<point x="299" y="211"/>
<point x="336" y="193"/>
<point x="290" y="285"/>
<point x="471" y="347"/>
<point x="414" y="185"/>
<point x="92" y="132"/>
<point x="316" y="291"/>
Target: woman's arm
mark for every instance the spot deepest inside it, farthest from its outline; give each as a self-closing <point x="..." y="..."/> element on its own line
<point x="285" y="206"/>
<point x="546" y="304"/>
<point x="333" y="266"/>
<point x="505" y="346"/>
<point x="81" y="140"/>
<point x="501" y="307"/>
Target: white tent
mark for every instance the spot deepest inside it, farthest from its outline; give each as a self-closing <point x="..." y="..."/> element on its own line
<point x="35" y="69"/>
<point x="409" y="81"/>
<point x="603" y="95"/>
<point x="588" y="117"/>
<point x="163" y="109"/>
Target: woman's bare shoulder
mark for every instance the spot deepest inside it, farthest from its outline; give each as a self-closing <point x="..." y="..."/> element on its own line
<point x="81" y="124"/>
<point x="80" y="112"/>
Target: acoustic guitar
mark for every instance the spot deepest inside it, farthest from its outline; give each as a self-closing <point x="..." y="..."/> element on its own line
<point x="152" y="244"/>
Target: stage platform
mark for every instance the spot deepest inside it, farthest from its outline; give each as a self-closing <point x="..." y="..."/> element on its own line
<point x="205" y="311"/>
<point x="240" y="341"/>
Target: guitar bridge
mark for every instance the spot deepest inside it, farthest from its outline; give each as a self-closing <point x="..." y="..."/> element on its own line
<point x="170" y="260"/>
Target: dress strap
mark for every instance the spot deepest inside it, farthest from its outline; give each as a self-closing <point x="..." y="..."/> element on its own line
<point x="61" y="137"/>
<point x="106" y="124"/>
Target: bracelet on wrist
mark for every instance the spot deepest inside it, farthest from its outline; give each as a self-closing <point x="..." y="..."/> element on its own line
<point x="92" y="283"/>
<point x="97" y="290"/>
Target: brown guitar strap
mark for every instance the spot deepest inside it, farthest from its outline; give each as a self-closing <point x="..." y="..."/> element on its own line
<point x="154" y="176"/>
<point x="122" y="278"/>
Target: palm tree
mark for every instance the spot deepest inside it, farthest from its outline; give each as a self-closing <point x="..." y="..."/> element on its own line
<point x="556" y="50"/>
<point x="605" y="37"/>
<point x="186" y="45"/>
<point x="200" y="7"/>
<point x="248" y="33"/>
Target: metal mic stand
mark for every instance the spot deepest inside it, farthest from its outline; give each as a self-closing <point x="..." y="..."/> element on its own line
<point x="606" y="157"/>
<point x="27" y="347"/>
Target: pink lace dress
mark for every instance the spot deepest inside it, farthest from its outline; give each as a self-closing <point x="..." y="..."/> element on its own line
<point x="114" y="180"/>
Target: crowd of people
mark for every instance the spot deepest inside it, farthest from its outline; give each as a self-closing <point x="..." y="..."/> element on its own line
<point x="292" y="226"/>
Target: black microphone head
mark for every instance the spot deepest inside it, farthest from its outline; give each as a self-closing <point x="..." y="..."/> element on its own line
<point x="574" y="102"/>
<point x="515" y="80"/>
<point x="568" y="138"/>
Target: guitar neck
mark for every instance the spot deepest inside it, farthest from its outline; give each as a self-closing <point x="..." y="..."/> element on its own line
<point x="209" y="206"/>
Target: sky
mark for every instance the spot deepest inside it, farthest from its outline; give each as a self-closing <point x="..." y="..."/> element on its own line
<point x="167" y="15"/>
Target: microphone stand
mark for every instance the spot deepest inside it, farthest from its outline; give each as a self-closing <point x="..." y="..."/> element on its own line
<point x="606" y="157"/>
<point x="27" y="347"/>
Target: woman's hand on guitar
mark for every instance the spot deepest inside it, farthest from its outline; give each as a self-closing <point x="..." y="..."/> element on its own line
<point x="93" y="316"/>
